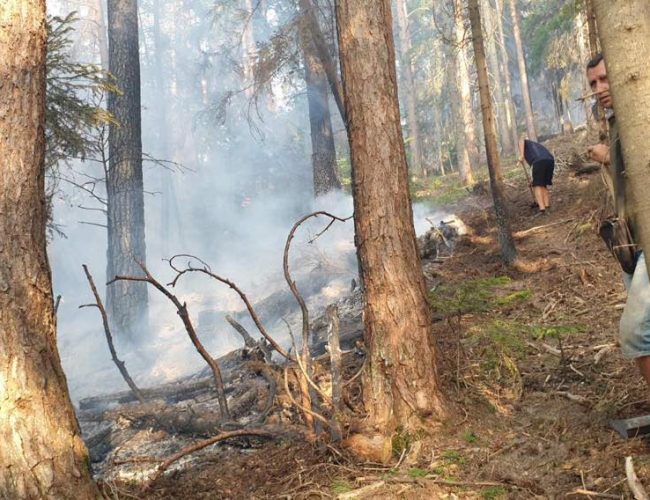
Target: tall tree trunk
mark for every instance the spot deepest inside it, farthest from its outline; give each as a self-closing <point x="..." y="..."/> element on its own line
<point x="594" y="46"/>
<point x="100" y="30"/>
<point x="624" y="28"/>
<point x="42" y="454"/>
<point x="504" y="65"/>
<point x="248" y="50"/>
<point x="457" y="128"/>
<point x="308" y="10"/>
<point x="126" y="301"/>
<point x="505" y="136"/>
<point x="401" y="385"/>
<point x="470" y="150"/>
<point x="410" y="94"/>
<point x="523" y="73"/>
<point x="504" y="235"/>
<point x="323" y="152"/>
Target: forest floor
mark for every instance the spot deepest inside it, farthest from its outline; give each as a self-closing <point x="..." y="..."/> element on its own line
<point x="529" y="362"/>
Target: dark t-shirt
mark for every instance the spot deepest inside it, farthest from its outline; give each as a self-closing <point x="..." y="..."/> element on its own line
<point x="534" y="152"/>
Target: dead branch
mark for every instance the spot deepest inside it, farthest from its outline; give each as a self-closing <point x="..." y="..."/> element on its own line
<point x="264" y="370"/>
<point x="248" y="340"/>
<point x="335" y="367"/>
<point x="633" y="481"/>
<point x="206" y="270"/>
<point x="305" y="363"/>
<point x="315" y="415"/>
<point x="109" y="338"/>
<point x="519" y="234"/>
<point x="203" y="444"/>
<point x="189" y="327"/>
<point x="57" y="302"/>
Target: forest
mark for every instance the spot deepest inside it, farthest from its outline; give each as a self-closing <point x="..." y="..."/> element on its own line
<point x="350" y="249"/>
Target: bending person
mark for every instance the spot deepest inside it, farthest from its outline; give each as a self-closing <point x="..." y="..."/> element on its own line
<point x="543" y="164"/>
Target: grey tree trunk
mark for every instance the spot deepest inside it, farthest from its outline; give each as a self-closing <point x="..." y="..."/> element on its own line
<point x="400" y="385"/>
<point x="523" y="72"/>
<point x="42" y="454"/>
<point x="504" y="65"/>
<point x="469" y="155"/>
<point x="504" y="234"/>
<point x="505" y="135"/>
<point x="323" y="151"/>
<point x="126" y="302"/>
<point x="624" y="28"/>
<point x="410" y="93"/>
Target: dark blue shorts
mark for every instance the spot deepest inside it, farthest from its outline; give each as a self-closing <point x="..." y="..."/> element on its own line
<point x="543" y="172"/>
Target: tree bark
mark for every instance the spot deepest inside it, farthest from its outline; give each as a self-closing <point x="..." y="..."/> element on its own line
<point x="504" y="65"/>
<point x="594" y="46"/>
<point x="401" y="385"/>
<point x="248" y="50"/>
<point x="323" y="151"/>
<point x="307" y="8"/>
<point x="42" y="454"/>
<point x="410" y="94"/>
<point x="624" y="28"/>
<point x="523" y="72"/>
<point x="126" y="302"/>
<point x="469" y="156"/>
<point x="504" y="234"/>
<point x="505" y="136"/>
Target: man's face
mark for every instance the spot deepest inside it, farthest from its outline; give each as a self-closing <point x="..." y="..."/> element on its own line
<point x="599" y="84"/>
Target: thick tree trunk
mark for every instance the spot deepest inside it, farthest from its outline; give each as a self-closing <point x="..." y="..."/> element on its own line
<point x="126" y="301"/>
<point x="323" y="152"/>
<point x="42" y="454"/>
<point x="504" y="65"/>
<point x="504" y="235"/>
<point x="401" y="385"/>
<point x="410" y="94"/>
<point x="308" y="10"/>
<point x="505" y="135"/>
<point x="624" y="28"/>
<point x="523" y="72"/>
<point x="469" y="157"/>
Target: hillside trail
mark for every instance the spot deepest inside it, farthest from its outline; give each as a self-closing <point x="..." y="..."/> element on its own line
<point x="529" y="361"/>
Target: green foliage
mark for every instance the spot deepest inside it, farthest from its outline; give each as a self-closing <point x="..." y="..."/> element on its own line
<point x="417" y="472"/>
<point x="543" y="26"/>
<point x="340" y="486"/>
<point x="494" y="492"/>
<point x="74" y="94"/>
<point x="470" y="437"/>
<point x="540" y="332"/>
<point x="474" y="296"/>
<point x="402" y="440"/>
<point x="453" y="457"/>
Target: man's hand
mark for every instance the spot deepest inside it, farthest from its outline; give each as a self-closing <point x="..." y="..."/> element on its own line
<point x="599" y="153"/>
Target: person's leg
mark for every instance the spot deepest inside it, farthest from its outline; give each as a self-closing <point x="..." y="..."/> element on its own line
<point x="635" y="320"/>
<point x="644" y="367"/>
<point x="546" y="197"/>
<point x="538" y="191"/>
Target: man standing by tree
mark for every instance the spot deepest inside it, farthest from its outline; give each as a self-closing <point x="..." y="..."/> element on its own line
<point x="542" y="164"/>
<point x="620" y="233"/>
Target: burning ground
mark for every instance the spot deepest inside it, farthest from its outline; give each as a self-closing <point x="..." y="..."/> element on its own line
<point x="528" y="357"/>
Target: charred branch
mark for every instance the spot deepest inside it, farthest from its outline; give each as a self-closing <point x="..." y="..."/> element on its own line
<point x="189" y="327"/>
<point x="206" y="270"/>
<point x="109" y="337"/>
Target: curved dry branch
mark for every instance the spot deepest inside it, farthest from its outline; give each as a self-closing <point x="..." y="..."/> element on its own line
<point x="189" y="327"/>
<point x="109" y="337"/>
<point x="206" y="270"/>
<point x="202" y="444"/>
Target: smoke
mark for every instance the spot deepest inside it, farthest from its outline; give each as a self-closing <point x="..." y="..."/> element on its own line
<point x="232" y="203"/>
